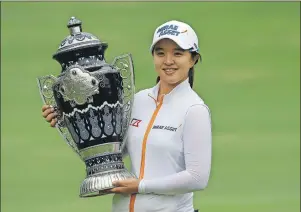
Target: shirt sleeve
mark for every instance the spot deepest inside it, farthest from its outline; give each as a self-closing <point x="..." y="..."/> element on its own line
<point x="197" y="138"/>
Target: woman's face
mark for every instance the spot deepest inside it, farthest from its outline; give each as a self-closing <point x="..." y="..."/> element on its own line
<point x="171" y="62"/>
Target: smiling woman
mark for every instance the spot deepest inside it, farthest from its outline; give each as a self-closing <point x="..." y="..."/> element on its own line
<point x="170" y="150"/>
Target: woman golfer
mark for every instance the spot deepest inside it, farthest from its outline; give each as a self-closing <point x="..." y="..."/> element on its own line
<point x="169" y="138"/>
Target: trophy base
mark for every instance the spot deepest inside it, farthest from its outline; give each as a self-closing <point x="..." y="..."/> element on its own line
<point x="93" y="185"/>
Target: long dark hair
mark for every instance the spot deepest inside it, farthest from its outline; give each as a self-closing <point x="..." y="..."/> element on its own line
<point x="191" y="70"/>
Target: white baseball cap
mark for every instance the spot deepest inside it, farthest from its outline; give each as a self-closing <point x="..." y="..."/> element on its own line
<point x="179" y="32"/>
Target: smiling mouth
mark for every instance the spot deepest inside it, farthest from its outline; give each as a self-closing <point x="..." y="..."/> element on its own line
<point x="169" y="71"/>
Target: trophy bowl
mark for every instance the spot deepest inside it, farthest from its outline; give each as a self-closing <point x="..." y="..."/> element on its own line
<point x="93" y="100"/>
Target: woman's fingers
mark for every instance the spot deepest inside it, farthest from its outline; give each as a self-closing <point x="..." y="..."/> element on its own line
<point x="53" y="122"/>
<point x="51" y="116"/>
<point x="47" y="112"/>
<point x="44" y="107"/>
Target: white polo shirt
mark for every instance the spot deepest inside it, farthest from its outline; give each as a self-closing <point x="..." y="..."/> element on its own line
<point x="169" y="144"/>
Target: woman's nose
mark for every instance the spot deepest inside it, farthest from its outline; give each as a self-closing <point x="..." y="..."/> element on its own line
<point x="169" y="59"/>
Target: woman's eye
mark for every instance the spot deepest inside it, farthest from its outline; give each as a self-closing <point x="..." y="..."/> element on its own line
<point x="160" y="53"/>
<point x="178" y="53"/>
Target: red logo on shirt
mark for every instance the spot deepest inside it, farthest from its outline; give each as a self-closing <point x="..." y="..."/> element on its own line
<point x="135" y="122"/>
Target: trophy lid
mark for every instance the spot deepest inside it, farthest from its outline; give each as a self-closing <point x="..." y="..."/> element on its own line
<point x="80" y="47"/>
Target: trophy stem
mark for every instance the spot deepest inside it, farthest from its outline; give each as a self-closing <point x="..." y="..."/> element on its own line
<point x="94" y="184"/>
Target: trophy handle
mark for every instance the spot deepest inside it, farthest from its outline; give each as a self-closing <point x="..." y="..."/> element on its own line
<point x="124" y="65"/>
<point x="45" y="84"/>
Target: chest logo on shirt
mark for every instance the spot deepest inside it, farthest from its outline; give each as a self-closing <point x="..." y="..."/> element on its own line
<point x="161" y="127"/>
<point x="135" y="122"/>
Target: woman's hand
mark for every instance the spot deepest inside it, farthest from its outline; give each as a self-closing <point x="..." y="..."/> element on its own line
<point x="129" y="186"/>
<point x="49" y="114"/>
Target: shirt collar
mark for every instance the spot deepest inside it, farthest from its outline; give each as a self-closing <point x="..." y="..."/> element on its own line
<point x="182" y="87"/>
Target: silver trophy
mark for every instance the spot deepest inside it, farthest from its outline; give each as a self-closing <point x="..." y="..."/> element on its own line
<point x="93" y="100"/>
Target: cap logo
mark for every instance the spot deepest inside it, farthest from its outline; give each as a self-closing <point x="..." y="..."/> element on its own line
<point x="168" y="29"/>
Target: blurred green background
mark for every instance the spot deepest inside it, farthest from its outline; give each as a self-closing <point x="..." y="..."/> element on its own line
<point x="249" y="78"/>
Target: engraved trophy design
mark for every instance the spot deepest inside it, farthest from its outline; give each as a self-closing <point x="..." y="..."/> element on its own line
<point x="93" y="100"/>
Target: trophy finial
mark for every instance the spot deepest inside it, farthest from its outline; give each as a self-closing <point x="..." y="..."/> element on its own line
<point x="80" y="48"/>
<point x="74" y="25"/>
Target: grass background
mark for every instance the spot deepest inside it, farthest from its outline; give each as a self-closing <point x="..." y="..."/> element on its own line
<point x="249" y="78"/>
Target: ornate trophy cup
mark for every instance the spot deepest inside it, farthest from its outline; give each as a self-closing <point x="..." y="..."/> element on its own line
<point x="93" y="100"/>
